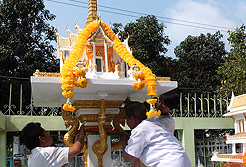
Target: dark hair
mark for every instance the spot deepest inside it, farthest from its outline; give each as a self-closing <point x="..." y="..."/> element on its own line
<point x="170" y="99"/>
<point x="30" y="135"/>
<point x="135" y="109"/>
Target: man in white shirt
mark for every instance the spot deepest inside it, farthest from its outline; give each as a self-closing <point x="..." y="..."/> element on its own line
<point x="43" y="155"/>
<point x="151" y="141"/>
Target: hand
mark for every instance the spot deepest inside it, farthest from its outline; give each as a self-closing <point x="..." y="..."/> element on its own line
<point x="81" y="135"/>
<point x="124" y="138"/>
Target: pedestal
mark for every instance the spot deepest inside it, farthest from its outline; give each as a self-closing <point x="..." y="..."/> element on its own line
<point x="92" y="158"/>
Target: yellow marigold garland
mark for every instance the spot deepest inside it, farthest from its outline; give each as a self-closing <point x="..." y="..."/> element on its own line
<point x="130" y="60"/>
<point x="244" y="158"/>
<point x="67" y="94"/>
<point x="153" y="113"/>
<point x="67" y="107"/>
<point x="139" y="76"/>
<point x="67" y="68"/>
<point x="139" y="85"/>
<point x="81" y="83"/>
<point x="79" y="72"/>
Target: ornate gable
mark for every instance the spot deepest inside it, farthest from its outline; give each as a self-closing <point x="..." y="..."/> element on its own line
<point x="100" y="36"/>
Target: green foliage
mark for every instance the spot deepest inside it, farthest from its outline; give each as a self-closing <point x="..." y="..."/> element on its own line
<point x="234" y="68"/>
<point x="117" y="29"/>
<point x="199" y="59"/>
<point x="25" y="38"/>
<point x="147" y="40"/>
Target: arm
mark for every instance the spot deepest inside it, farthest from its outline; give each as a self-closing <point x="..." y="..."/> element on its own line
<point x="126" y="156"/>
<point x="77" y="147"/>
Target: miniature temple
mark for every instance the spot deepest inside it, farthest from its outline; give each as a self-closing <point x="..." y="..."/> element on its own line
<point x="237" y="110"/>
<point x="97" y="73"/>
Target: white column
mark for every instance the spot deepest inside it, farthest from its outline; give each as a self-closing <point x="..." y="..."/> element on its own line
<point x="233" y="148"/>
<point x="61" y="59"/>
<point x="92" y="158"/>
<point x="106" y="56"/>
<point x="94" y="53"/>
<point x="244" y="148"/>
<point x="16" y="146"/>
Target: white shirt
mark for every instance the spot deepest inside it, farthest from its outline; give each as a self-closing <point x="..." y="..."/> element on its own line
<point x="168" y="121"/>
<point x="48" y="157"/>
<point x="155" y="146"/>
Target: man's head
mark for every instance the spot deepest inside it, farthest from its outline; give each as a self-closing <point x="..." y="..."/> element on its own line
<point x="169" y="99"/>
<point x="33" y="135"/>
<point x="135" y="113"/>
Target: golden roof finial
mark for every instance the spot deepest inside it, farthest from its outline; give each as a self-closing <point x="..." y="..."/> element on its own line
<point x="55" y="29"/>
<point x="92" y="13"/>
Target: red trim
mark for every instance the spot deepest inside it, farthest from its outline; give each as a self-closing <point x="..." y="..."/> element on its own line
<point x="108" y="131"/>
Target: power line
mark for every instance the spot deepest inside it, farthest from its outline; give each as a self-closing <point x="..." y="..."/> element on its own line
<point x="185" y="21"/>
<point x="194" y="26"/>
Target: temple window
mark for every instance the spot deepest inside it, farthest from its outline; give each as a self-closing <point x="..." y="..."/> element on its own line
<point x="240" y="124"/>
<point x="99" y="64"/>
<point x="65" y="55"/>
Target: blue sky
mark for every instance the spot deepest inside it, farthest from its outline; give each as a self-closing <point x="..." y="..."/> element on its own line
<point x="181" y="17"/>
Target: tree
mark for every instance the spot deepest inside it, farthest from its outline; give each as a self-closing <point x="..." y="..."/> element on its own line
<point x="234" y="68"/>
<point x="117" y="30"/>
<point x="25" y="38"/>
<point x="199" y="59"/>
<point x="147" y="40"/>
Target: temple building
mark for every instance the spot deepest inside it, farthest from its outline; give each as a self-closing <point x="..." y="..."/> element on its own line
<point x="237" y="110"/>
<point x="99" y="52"/>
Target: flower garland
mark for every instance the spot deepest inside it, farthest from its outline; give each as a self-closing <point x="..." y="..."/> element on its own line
<point x="140" y="81"/>
<point x="152" y="112"/>
<point x="82" y="81"/>
<point x="148" y="75"/>
<point x="244" y="158"/>
<point x="67" y="68"/>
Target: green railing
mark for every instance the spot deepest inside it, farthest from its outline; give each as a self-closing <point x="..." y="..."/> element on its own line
<point x="16" y="99"/>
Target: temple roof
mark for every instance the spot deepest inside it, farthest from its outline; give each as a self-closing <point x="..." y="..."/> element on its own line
<point x="239" y="101"/>
<point x="237" y="105"/>
<point x="100" y="34"/>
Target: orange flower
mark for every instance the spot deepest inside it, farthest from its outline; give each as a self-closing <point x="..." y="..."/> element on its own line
<point x="139" y="76"/>
<point x="67" y="107"/>
<point x="152" y="93"/>
<point x="138" y="85"/>
<point x="67" y="94"/>
<point x="153" y="113"/>
<point x="67" y="87"/>
<point x="80" y="72"/>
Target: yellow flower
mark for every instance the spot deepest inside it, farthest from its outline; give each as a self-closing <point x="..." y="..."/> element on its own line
<point x="83" y="83"/>
<point x="244" y="158"/>
<point x="153" y="113"/>
<point x="67" y="107"/>
<point x="152" y="93"/>
<point x="67" y="94"/>
<point x="80" y="72"/>
<point x="67" y="87"/>
<point x="139" y="76"/>
<point x="138" y="85"/>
